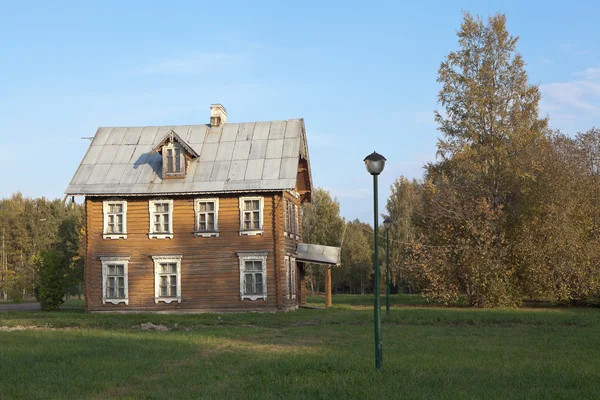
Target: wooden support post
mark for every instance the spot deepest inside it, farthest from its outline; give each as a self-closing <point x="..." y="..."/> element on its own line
<point x="328" y="301"/>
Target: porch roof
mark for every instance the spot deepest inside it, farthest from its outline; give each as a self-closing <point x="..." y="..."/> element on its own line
<point x="318" y="254"/>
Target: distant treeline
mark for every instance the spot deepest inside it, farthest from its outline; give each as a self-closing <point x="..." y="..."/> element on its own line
<point x="30" y="228"/>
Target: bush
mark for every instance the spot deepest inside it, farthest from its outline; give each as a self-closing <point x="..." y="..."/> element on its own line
<point x="52" y="267"/>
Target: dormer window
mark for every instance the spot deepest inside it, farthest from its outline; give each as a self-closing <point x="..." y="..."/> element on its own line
<point x="173" y="161"/>
<point x="176" y="154"/>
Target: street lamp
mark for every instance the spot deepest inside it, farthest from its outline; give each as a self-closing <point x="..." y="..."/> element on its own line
<point x="375" y="163"/>
<point x="387" y="222"/>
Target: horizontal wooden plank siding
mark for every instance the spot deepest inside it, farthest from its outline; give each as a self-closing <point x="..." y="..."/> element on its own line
<point x="210" y="274"/>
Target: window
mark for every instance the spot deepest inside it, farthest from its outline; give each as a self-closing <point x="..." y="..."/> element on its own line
<point x="296" y="226"/>
<point x="290" y="274"/>
<point x="114" y="280"/>
<point x="115" y="219"/>
<point x="161" y="217"/>
<point x="207" y="217"/>
<point x="292" y="277"/>
<point x="253" y="275"/>
<point x="286" y="225"/>
<point x="251" y="215"/>
<point x="173" y="161"/>
<point x="167" y="278"/>
<point x="291" y="217"/>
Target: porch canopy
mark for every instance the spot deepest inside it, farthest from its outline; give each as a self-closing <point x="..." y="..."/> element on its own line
<point x="324" y="255"/>
<point x="318" y="254"/>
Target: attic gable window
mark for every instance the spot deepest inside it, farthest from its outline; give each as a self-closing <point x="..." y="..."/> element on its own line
<point x="175" y="154"/>
<point x="173" y="161"/>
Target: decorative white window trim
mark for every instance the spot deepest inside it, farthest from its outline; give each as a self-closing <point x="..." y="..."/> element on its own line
<point x="252" y="232"/>
<point x="176" y="150"/>
<point x="253" y="256"/>
<point x="288" y="289"/>
<point x="197" y="231"/>
<point x="294" y="284"/>
<point x="296" y="226"/>
<point x="173" y="259"/>
<point x="105" y="213"/>
<point x="106" y="261"/>
<point x="290" y="276"/>
<point x="160" y="235"/>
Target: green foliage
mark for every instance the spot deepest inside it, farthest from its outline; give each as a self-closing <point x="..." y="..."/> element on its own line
<point x="321" y="224"/>
<point x="404" y="207"/>
<point x="52" y="274"/>
<point x="30" y="226"/>
<point x="473" y="197"/>
<point x="354" y="273"/>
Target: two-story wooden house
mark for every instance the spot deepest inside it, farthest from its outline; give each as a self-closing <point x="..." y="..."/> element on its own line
<point x="197" y="217"/>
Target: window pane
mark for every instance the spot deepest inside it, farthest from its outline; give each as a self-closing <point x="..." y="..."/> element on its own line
<point x="178" y="160"/>
<point x="120" y="270"/>
<point x="163" y="286"/>
<point x="248" y="284"/>
<point x="110" y="288"/>
<point x="255" y="204"/>
<point x="202" y="207"/>
<point x="168" y="268"/>
<point x="122" y="292"/>
<point x="166" y="222"/>
<point x="211" y="226"/>
<point x="211" y="206"/>
<point x="259" y="282"/>
<point x="211" y="217"/>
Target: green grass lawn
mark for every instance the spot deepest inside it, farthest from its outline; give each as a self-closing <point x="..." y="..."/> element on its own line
<point x="429" y="352"/>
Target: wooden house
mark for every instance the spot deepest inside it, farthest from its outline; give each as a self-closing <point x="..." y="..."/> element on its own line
<point x="197" y="217"/>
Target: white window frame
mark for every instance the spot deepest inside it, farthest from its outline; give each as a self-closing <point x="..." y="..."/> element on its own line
<point x="171" y="259"/>
<point x="105" y="213"/>
<point x="296" y="226"/>
<point x="293" y="283"/>
<point x="253" y="256"/>
<point x="252" y="232"/>
<point x="160" y="235"/>
<point x="106" y="261"/>
<point x="197" y="231"/>
<point x="182" y="162"/>
<point x="286" y="220"/>
<point x="290" y="276"/>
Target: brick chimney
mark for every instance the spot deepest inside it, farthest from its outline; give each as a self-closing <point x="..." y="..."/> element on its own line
<point x="218" y="115"/>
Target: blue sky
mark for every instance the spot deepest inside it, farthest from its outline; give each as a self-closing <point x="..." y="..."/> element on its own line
<point x="362" y="75"/>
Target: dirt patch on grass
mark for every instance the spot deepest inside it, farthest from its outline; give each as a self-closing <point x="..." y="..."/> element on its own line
<point x="34" y="328"/>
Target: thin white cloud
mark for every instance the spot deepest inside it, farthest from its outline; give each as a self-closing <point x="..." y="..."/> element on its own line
<point x="589" y="74"/>
<point x="573" y="104"/>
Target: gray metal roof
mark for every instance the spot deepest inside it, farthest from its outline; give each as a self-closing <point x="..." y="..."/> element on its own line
<point x="316" y="253"/>
<point x="235" y="157"/>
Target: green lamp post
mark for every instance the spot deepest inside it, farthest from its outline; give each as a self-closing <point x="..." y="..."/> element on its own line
<point x="375" y="163"/>
<point x="387" y="223"/>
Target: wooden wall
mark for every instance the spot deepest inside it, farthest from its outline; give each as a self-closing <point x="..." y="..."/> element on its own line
<point x="210" y="266"/>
